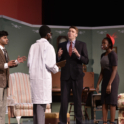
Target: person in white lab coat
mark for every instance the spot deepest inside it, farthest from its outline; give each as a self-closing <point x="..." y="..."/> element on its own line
<point x="41" y="62"/>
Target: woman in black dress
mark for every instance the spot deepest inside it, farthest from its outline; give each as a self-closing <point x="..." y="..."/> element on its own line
<point x="110" y="79"/>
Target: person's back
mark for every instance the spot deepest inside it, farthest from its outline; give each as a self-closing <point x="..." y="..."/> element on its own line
<point x="38" y="51"/>
<point x="41" y="62"/>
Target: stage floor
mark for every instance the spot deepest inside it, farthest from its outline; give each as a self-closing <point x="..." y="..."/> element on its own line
<point x="71" y="122"/>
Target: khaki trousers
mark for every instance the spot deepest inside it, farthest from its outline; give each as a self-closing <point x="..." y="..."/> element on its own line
<point x="3" y="99"/>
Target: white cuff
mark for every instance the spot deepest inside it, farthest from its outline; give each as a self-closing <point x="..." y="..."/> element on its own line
<point x="5" y="65"/>
<point x="16" y="61"/>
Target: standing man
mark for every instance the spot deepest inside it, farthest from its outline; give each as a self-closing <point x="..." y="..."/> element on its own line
<point x="5" y="64"/>
<point x="75" y="54"/>
<point x="41" y="62"/>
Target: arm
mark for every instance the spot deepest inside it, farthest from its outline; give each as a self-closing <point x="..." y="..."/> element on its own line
<point x="30" y="57"/>
<point x="113" y="62"/>
<point x="114" y="71"/>
<point x="114" y="68"/>
<point x="50" y="60"/>
<point x="1" y="66"/>
<point x="84" y="55"/>
<point x="17" y="61"/>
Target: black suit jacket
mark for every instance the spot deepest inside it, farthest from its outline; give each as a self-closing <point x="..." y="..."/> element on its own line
<point x="73" y="67"/>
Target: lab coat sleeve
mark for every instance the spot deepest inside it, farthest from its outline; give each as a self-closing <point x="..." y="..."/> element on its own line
<point x="51" y="60"/>
<point x="29" y="57"/>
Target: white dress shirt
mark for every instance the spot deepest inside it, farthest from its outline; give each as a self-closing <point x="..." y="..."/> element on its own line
<point x="68" y="45"/>
<point x="6" y="64"/>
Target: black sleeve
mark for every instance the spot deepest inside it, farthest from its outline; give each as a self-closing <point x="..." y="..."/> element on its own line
<point x="114" y="58"/>
<point x="84" y="54"/>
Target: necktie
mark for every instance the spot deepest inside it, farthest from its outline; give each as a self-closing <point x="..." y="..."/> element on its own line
<point x="5" y="54"/>
<point x="70" y="49"/>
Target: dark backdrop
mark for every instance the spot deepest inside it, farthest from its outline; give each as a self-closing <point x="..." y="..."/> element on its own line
<point x="82" y="13"/>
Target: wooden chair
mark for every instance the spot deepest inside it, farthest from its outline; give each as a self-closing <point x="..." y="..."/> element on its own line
<point x="88" y="83"/>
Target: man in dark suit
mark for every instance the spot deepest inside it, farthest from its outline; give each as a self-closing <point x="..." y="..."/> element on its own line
<point x="5" y="64"/>
<point x="75" y="54"/>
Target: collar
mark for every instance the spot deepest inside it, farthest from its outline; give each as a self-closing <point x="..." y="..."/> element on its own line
<point x="72" y="41"/>
<point x="1" y="47"/>
<point x="42" y="40"/>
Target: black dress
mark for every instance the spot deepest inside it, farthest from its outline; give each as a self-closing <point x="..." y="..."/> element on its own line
<point x="107" y="62"/>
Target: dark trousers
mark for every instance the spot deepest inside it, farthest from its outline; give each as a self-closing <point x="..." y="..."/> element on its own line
<point x="66" y="86"/>
<point x="39" y="113"/>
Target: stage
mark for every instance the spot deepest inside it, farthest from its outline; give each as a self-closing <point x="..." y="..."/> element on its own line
<point x="71" y="122"/>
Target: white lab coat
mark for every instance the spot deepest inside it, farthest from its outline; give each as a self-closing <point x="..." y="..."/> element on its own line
<point x="41" y="62"/>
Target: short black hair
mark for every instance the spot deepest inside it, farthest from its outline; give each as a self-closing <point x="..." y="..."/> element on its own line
<point x="44" y="30"/>
<point x="3" y="33"/>
<point x="109" y="41"/>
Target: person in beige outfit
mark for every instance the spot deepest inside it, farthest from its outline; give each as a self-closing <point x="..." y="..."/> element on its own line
<point x="5" y="64"/>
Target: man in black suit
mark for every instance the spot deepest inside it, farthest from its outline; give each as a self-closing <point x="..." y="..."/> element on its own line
<point x="75" y="54"/>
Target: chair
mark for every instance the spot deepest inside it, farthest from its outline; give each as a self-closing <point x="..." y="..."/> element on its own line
<point x="84" y="99"/>
<point x="120" y="107"/>
<point x="19" y="97"/>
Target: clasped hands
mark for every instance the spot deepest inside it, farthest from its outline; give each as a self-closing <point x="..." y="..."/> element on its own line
<point x="60" y="52"/>
<point x="108" y="89"/>
<point x="19" y="59"/>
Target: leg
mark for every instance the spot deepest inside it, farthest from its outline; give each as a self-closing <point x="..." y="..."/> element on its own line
<point x="41" y="113"/>
<point x="105" y="113"/>
<point x="77" y="87"/>
<point x="112" y="112"/>
<point x="18" y="119"/>
<point x="3" y="99"/>
<point x="65" y="93"/>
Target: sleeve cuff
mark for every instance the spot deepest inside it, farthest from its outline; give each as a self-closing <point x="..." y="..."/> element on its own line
<point x="16" y="61"/>
<point x="5" y="65"/>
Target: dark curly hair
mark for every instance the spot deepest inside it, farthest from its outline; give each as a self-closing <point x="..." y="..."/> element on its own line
<point x="44" y="30"/>
<point x="3" y="33"/>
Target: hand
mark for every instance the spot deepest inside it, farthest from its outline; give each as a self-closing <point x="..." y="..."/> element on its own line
<point x="11" y="63"/>
<point x="60" y="52"/>
<point x="108" y="89"/>
<point x="21" y="59"/>
<point x="59" y="67"/>
<point x="97" y="89"/>
<point x="76" y="52"/>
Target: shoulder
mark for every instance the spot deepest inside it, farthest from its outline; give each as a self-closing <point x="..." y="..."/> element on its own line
<point x="49" y="47"/>
<point x="33" y="45"/>
<point x="113" y="54"/>
<point x="81" y="43"/>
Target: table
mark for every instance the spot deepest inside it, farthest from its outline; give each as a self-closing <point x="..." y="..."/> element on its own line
<point x="95" y="97"/>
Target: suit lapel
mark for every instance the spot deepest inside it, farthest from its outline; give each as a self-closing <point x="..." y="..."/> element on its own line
<point x="66" y="47"/>
<point x="2" y="55"/>
<point x="76" y="44"/>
